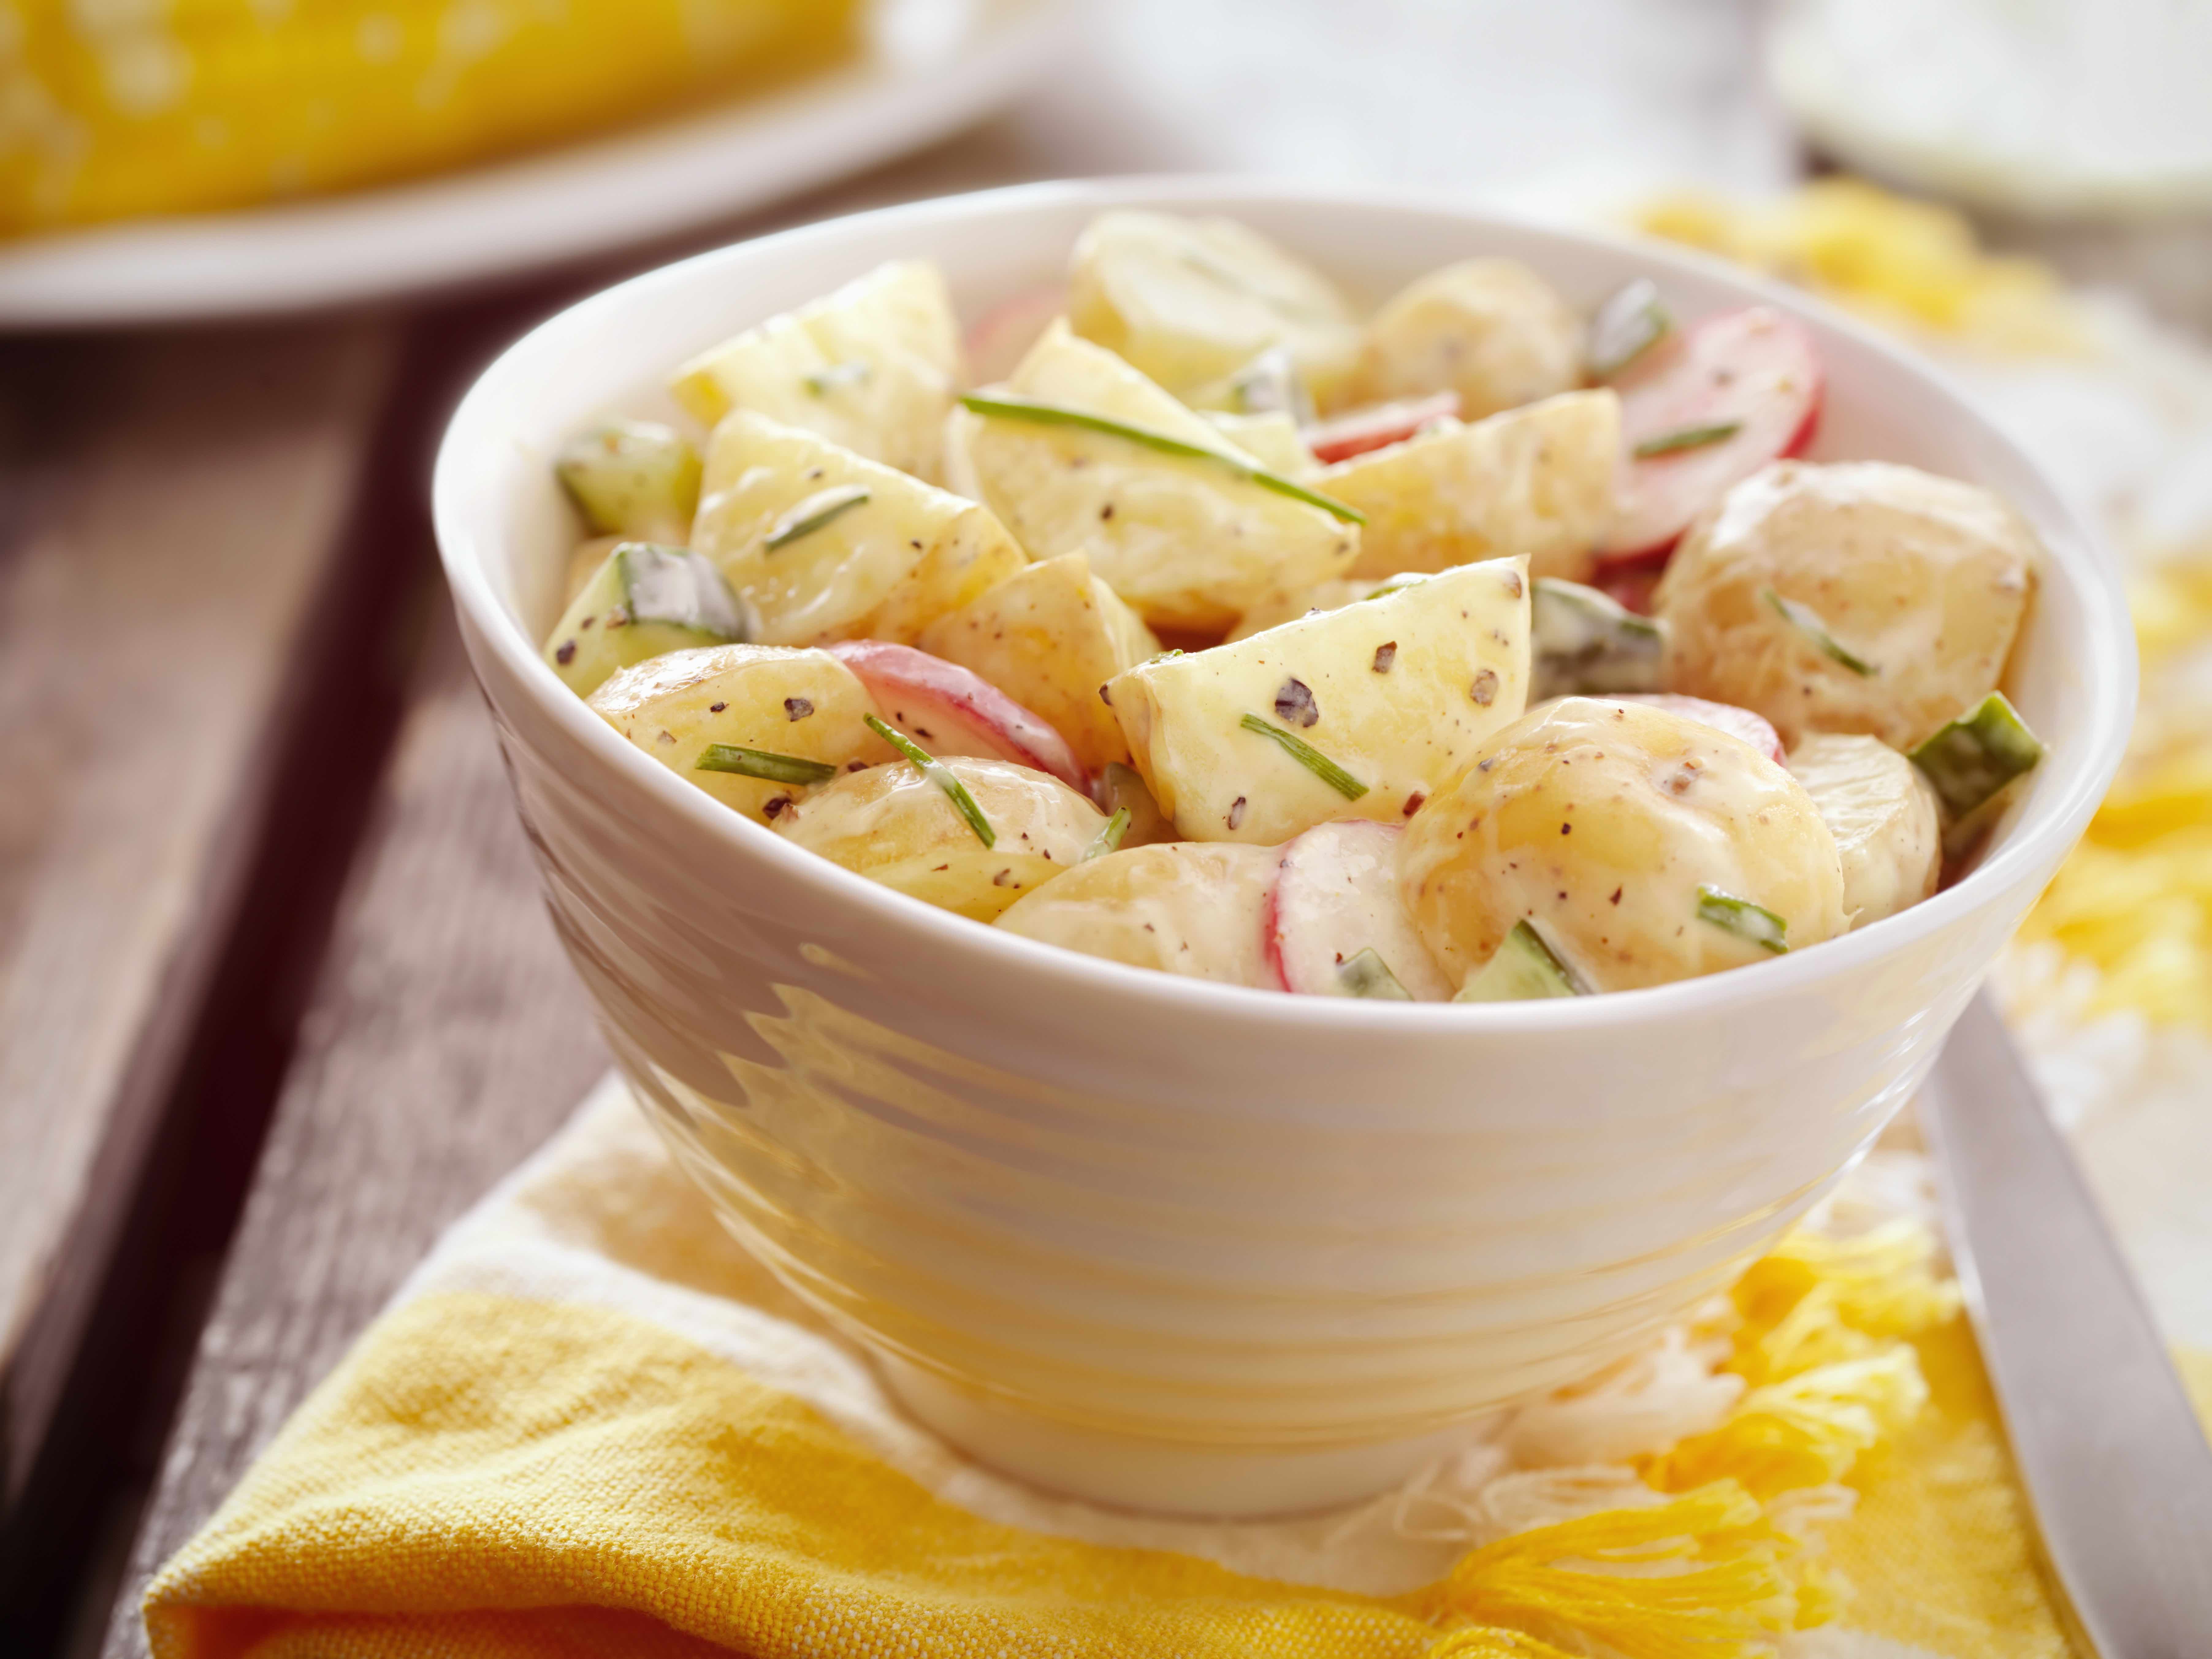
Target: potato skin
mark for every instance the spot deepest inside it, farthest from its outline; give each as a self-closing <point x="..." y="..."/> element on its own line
<point x="1538" y="480"/>
<point x="1181" y="907"/>
<point x="1883" y="814"/>
<point x="1491" y="330"/>
<point x="1599" y="821"/>
<point x="895" y="826"/>
<point x="1926" y="578"/>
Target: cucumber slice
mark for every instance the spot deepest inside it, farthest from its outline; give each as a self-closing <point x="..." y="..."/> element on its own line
<point x="1366" y="974"/>
<point x="1971" y="758"/>
<point x="643" y="600"/>
<point x="1522" y="970"/>
<point x="633" y="478"/>
<point x="1587" y="643"/>
<point x="1626" y="326"/>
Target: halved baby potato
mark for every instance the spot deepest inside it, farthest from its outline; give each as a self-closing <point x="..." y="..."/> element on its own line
<point x="1048" y="636"/>
<point x="1491" y="330"/>
<point x="1178" y="908"/>
<point x="871" y="368"/>
<point x="1362" y="712"/>
<point x="1187" y="540"/>
<point x="1884" y="815"/>
<point x="1537" y="481"/>
<point x="1332" y="595"/>
<point x="1190" y="301"/>
<point x="1859" y="596"/>
<point x="897" y="826"/>
<point x="776" y="705"/>
<point x="826" y="544"/>
<point x="1641" y="845"/>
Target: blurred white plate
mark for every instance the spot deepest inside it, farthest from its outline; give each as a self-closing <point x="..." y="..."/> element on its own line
<point x="930" y="67"/>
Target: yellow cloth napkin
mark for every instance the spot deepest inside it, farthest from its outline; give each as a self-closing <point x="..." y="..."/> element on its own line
<point x="591" y="1424"/>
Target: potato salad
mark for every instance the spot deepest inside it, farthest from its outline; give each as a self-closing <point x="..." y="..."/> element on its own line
<point x="1484" y="644"/>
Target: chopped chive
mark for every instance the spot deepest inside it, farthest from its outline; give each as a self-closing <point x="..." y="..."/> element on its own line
<point x="1688" y="437"/>
<point x="941" y="775"/>
<point x="1366" y="974"/>
<point x="1806" y="621"/>
<point x="1308" y="757"/>
<point x="762" y="764"/>
<point x="1397" y="584"/>
<point x="1523" y="969"/>
<point x="1970" y="758"/>
<point x="823" y="381"/>
<point x="1626" y="326"/>
<point x="1742" y="918"/>
<point x="1108" y="840"/>
<point x="815" y="511"/>
<point x="1041" y="414"/>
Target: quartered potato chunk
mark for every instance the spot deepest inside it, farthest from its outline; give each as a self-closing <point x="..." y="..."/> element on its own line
<point x="1187" y="541"/>
<point x="1048" y="636"/>
<point x="897" y="826"/>
<point x="871" y="368"/>
<point x="1857" y="596"/>
<point x="754" y="726"/>
<point x="1358" y="713"/>
<point x="1191" y="302"/>
<point x="1491" y="330"/>
<point x="825" y="544"/>
<point x="1537" y="481"/>
<point x="1641" y="847"/>
<point x="1181" y="908"/>
<point x="1889" y="829"/>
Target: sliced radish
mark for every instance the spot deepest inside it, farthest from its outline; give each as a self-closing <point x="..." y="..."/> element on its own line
<point x="1004" y="334"/>
<point x="1734" y="392"/>
<point x="1378" y="426"/>
<point x="951" y="710"/>
<point x="1722" y="716"/>
<point x="1338" y="895"/>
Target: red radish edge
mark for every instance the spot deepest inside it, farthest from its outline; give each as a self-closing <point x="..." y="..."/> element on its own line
<point x="1668" y="395"/>
<point x="1737" y="721"/>
<point x="1012" y="732"/>
<point x="1271" y="932"/>
<point x="1003" y="335"/>
<point x="1377" y="427"/>
<point x="1323" y="843"/>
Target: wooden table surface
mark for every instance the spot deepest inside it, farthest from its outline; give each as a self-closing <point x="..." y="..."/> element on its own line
<point x="278" y="996"/>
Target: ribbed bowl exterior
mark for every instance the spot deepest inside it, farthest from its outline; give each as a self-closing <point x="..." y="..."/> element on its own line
<point x="1121" y="1202"/>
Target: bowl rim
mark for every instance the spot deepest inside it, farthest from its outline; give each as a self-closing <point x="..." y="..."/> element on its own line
<point x="2058" y="818"/>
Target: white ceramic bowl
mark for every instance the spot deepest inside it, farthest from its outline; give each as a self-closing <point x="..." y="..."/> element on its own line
<point x="1169" y="1243"/>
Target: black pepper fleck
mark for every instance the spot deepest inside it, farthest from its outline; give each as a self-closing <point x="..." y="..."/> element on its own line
<point x="1616" y="895"/>
<point x="1413" y="803"/>
<point x="1235" y="813"/>
<point x="716" y="708"/>
<point x="1484" y="689"/>
<point x="1295" y="705"/>
<point x="1385" y="655"/>
<point x="796" y="708"/>
<point x="775" y="806"/>
<point x="567" y="654"/>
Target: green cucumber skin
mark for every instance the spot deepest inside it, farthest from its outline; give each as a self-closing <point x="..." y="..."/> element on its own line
<point x="632" y="478"/>
<point x="1522" y="970"/>
<point x="1970" y="759"/>
<point x="1364" y="974"/>
<point x="1587" y="644"/>
<point x="597" y="636"/>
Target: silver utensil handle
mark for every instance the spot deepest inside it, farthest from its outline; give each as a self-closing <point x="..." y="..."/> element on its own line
<point x="2111" y="1454"/>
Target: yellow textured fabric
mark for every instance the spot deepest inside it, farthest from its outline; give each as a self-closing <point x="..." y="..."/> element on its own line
<point x="115" y="110"/>
<point x="542" y="1470"/>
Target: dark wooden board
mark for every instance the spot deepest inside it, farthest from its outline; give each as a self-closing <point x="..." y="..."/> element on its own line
<point x="172" y="512"/>
<point x="445" y="1037"/>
